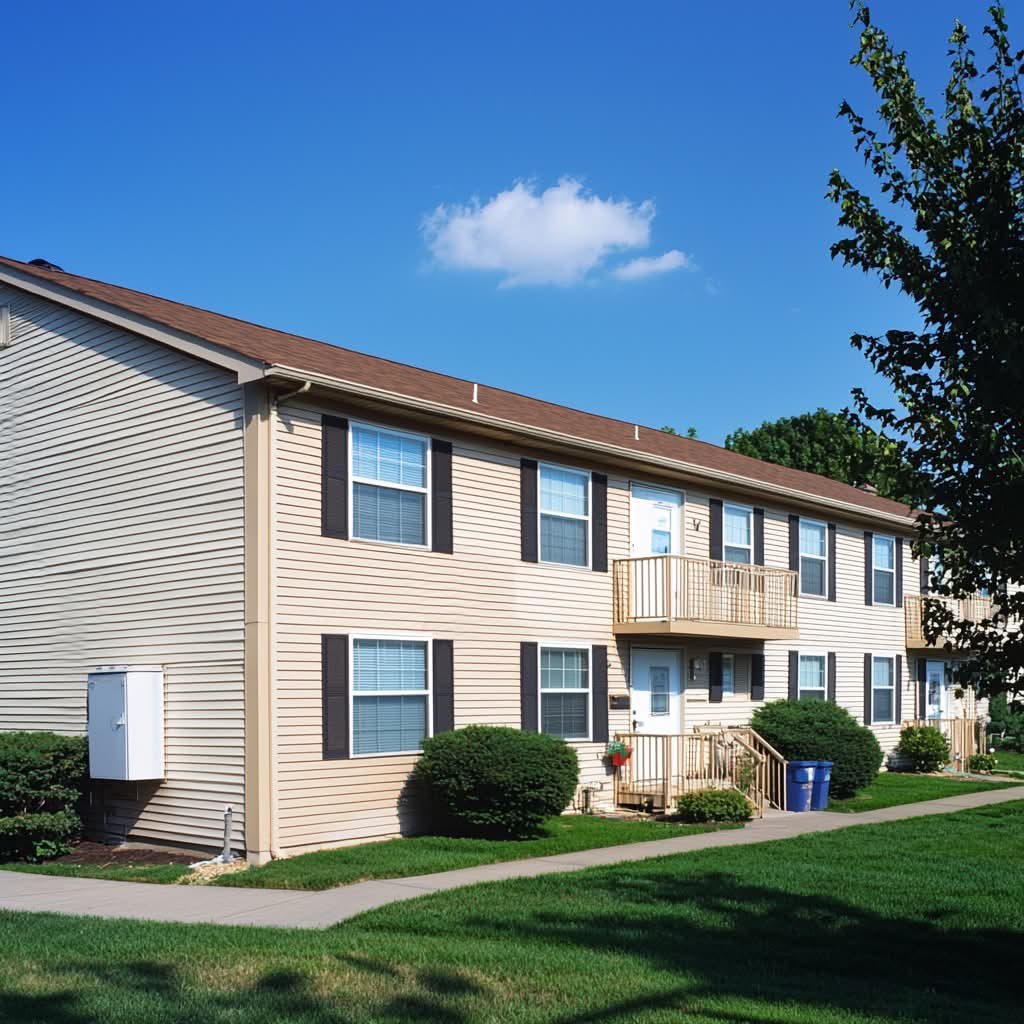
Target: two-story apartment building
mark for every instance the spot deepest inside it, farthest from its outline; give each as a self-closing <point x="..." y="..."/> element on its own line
<point x="331" y="556"/>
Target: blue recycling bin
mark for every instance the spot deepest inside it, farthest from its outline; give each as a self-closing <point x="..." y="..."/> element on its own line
<point x="819" y="789"/>
<point x="800" y="785"/>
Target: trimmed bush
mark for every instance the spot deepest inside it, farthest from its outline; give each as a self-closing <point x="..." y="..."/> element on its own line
<point x="714" y="805"/>
<point x="925" y="746"/>
<point x="494" y="782"/>
<point x="41" y="779"/>
<point x="818" y="730"/>
<point x="981" y="763"/>
<point x="37" y="836"/>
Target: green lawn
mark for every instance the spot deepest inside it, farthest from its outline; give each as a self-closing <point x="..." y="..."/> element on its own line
<point x="1007" y="760"/>
<point x="892" y="788"/>
<point x="399" y="858"/>
<point x="915" y="921"/>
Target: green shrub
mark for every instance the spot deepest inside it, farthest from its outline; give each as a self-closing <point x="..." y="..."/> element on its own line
<point x="39" y="770"/>
<point x="818" y="730"/>
<point x="37" y="836"/>
<point x="981" y="763"/>
<point x="714" y="805"/>
<point x="490" y="781"/>
<point x="41" y="779"/>
<point x="925" y="746"/>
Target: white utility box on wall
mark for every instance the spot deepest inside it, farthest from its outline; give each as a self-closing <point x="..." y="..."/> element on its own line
<point x="126" y="722"/>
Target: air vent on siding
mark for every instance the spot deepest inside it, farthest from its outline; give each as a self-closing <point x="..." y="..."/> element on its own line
<point x="5" y="326"/>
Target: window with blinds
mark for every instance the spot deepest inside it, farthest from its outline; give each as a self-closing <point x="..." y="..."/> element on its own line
<point x="390" y="696"/>
<point x="565" y="692"/>
<point x="564" y="516"/>
<point x="389" y="485"/>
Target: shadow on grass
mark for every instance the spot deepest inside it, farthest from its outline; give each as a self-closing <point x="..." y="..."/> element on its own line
<point x="708" y="945"/>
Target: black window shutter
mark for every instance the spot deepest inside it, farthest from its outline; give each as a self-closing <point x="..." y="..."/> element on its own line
<point x="831" y="692"/>
<point x="443" y="684"/>
<point x="758" y="536"/>
<point x="831" y="561"/>
<point x="924" y="571"/>
<point x="334" y="691"/>
<point x="715" y="530"/>
<point x="528" y="508"/>
<point x="868" y="567"/>
<point x="757" y="677"/>
<point x="922" y="688"/>
<point x="528" y="687"/>
<point x="794" y="543"/>
<point x="599" y="521"/>
<point x="867" y="689"/>
<point x="899" y="572"/>
<point x="334" y="477"/>
<point x="794" y="675"/>
<point x="715" y="677"/>
<point x="599" y="692"/>
<point x="441" y="496"/>
<point x="899" y="689"/>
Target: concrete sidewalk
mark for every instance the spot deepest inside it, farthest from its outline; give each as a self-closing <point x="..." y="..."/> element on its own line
<point x="288" y="909"/>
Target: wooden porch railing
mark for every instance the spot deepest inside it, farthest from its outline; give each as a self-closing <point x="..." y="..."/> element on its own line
<point x="969" y="609"/>
<point x="664" y="767"/>
<point x="966" y="736"/>
<point x="676" y="587"/>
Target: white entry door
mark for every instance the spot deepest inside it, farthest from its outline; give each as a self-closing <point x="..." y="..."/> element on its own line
<point x="935" y="689"/>
<point x="656" y="519"/>
<point x="656" y="685"/>
<point x="656" y="527"/>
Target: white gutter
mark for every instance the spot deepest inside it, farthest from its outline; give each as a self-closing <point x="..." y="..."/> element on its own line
<point x="791" y="495"/>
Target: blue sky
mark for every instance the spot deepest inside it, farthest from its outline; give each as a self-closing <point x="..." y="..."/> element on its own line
<point x="279" y="163"/>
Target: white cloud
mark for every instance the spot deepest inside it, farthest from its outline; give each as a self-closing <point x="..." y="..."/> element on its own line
<point x="648" y="266"/>
<point x="553" y="237"/>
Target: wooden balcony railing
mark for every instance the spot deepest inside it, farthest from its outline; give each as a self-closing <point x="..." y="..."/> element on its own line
<point x="970" y="609"/>
<point x="699" y="596"/>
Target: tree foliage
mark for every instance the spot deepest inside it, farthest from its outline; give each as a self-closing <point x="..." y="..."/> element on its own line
<point x="947" y="229"/>
<point x="828" y="443"/>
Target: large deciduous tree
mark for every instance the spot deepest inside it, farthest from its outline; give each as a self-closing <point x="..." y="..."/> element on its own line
<point x="827" y="443"/>
<point x="945" y="225"/>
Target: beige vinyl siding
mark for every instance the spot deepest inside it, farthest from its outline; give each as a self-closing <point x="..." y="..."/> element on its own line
<point x="483" y="597"/>
<point x="121" y="542"/>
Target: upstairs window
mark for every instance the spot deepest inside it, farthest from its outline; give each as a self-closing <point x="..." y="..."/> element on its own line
<point x="813" y="558"/>
<point x="564" y="516"/>
<point x="565" y="692"/>
<point x="883" y="573"/>
<point x="389" y="485"/>
<point x="739" y="534"/>
<point x="812" y="677"/>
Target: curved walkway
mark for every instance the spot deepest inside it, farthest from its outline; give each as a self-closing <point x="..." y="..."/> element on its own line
<point x="290" y="909"/>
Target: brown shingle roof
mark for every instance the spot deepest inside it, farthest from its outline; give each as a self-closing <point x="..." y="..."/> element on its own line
<point x="277" y="347"/>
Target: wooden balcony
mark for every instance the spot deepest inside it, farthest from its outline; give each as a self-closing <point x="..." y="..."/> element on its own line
<point x="677" y="595"/>
<point x="970" y="609"/>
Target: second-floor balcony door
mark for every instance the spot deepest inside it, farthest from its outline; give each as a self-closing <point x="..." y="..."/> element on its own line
<point x="655" y="529"/>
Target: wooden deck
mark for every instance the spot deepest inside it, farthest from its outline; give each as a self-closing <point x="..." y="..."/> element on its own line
<point x="664" y="767"/>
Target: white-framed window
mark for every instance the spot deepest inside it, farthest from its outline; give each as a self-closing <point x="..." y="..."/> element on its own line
<point x="390" y="480"/>
<point x="811" y="684"/>
<point x="883" y="690"/>
<point x="883" y="570"/>
<point x="390" y="695"/>
<point x="738" y="539"/>
<point x="564" y="515"/>
<point x="564" y="691"/>
<point x="813" y="558"/>
<point x="728" y="675"/>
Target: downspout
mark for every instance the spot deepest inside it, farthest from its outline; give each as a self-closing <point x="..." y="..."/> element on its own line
<point x="281" y="399"/>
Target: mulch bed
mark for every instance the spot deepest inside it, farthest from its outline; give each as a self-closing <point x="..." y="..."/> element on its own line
<point x="100" y="854"/>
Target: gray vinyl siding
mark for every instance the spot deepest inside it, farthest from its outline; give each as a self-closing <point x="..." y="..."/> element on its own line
<point x="121" y="537"/>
